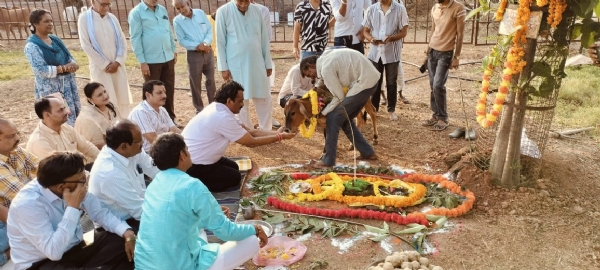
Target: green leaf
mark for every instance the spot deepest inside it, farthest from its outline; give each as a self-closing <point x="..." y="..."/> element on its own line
<point x="380" y="237"/>
<point x="576" y="32"/>
<point x="541" y="69"/>
<point x="588" y="33"/>
<point x="474" y="12"/>
<point x="375" y="229"/>
<point x="386" y="226"/>
<point x="440" y="222"/>
<point x="582" y="8"/>
<point x="276" y="218"/>
<point x="546" y="87"/>
<point x="597" y="9"/>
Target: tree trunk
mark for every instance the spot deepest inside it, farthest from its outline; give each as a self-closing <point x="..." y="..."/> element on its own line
<point x="502" y="135"/>
<point x="511" y="172"/>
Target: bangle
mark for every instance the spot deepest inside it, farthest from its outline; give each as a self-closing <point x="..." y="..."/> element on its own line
<point x="279" y="137"/>
<point x="344" y="3"/>
<point x="129" y="239"/>
<point x="258" y="229"/>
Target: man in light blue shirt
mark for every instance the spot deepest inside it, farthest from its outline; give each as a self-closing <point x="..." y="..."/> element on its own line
<point x="194" y="33"/>
<point x="44" y="228"/>
<point x="154" y="47"/>
<point x="176" y="206"/>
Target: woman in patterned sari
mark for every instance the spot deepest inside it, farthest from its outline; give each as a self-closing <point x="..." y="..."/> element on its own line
<point x="53" y="66"/>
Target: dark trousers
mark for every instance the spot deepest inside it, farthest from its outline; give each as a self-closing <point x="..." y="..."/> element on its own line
<point x="391" y="74"/>
<point x="107" y="253"/>
<point x="201" y="63"/>
<point x="165" y="72"/>
<point x="438" y="65"/>
<point x="341" y="118"/>
<point x="219" y="176"/>
<point x="347" y="41"/>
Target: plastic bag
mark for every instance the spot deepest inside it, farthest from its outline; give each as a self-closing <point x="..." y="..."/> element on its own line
<point x="281" y="250"/>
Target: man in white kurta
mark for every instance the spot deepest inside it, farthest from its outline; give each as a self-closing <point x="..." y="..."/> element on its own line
<point x="243" y="56"/>
<point x="106" y="49"/>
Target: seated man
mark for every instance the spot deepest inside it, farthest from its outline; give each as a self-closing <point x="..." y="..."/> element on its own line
<point x="17" y="168"/>
<point x="209" y="133"/>
<point x="294" y="85"/>
<point x="52" y="134"/>
<point x="341" y="68"/>
<point x="117" y="178"/>
<point x="150" y="115"/>
<point x="44" y="228"/>
<point x="176" y="207"/>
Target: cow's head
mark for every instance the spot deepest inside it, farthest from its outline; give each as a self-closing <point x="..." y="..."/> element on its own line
<point x="296" y="111"/>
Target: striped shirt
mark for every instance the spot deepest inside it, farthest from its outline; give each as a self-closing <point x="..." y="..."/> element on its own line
<point x="150" y="121"/>
<point x="16" y="170"/>
<point x="118" y="182"/>
<point x="315" y="25"/>
<point x="383" y="25"/>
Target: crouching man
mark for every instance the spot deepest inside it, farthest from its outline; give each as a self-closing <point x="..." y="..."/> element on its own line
<point x="44" y="228"/>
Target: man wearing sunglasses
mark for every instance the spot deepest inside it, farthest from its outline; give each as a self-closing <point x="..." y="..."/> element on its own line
<point x="44" y="228"/>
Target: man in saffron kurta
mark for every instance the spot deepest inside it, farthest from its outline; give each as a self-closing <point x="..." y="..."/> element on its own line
<point x="243" y="56"/>
<point x="103" y="41"/>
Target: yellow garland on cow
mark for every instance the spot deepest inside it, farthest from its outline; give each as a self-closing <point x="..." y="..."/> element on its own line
<point x="331" y="187"/>
<point x="314" y="101"/>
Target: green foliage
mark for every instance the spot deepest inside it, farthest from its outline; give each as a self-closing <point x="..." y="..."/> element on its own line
<point x="440" y="196"/>
<point x="366" y="170"/>
<point x="270" y="182"/>
<point x="588" y="29"/>
<point x="358" y="185"/>
<point x="302" y="225"/>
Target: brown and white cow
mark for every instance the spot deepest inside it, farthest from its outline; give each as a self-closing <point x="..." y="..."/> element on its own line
<point x="15" y="17"/>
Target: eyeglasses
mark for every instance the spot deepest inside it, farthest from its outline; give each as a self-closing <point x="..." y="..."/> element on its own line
<point x="83" y="180"/>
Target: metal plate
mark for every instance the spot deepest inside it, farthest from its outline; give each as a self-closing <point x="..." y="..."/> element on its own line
<point x="265" y="225"/>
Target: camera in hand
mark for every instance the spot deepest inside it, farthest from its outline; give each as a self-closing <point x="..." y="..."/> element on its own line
<point x="423" y="67"/>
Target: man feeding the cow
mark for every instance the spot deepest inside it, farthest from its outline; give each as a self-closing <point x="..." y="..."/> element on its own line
<point x="342" y="69"/>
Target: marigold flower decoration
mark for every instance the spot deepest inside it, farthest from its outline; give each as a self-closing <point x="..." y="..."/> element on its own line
<point x="314" y="102"/>
<point x="555" y="11"/>
<point x="501" y="9"/>
<point x="514" y="65"/>
<point x="460" y="210"/>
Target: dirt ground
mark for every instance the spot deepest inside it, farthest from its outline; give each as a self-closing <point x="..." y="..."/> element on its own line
<point x="550" y="224"/>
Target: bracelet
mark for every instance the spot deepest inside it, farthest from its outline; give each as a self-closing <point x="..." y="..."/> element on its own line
<point x="129" y="239"/>
<point x="344" y="3"/>
<point x="279" y="137"/>
<point x="258" y="229"/>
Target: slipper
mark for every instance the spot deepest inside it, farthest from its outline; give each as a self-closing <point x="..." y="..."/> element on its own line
<point x="429" y="122"/>
<point x="470" y="135"/>
<point x="404" y="100"/>
<point x="371" y="157"/>
<point x="320" y="165"/>
<point x="439" y="127"/>
<point x="457" y="133"/>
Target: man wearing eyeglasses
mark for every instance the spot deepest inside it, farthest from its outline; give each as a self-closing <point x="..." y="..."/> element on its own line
<point x="105" y="45"/>
<point x="118" y="177"/>
<point x="17" y="168"/>
<point x="44" y="228"/>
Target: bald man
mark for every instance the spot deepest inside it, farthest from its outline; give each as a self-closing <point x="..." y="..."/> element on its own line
<point x="17" y="168"/>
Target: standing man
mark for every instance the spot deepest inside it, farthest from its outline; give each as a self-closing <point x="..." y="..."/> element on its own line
<point x="194" y="33"/>
<point x="348" y="23"/>
<point x="17" y="168"/>
<point x="312" y="19"/>
<point x="154" y="47"/>
<point x="343" y="68"/>
<point x="104" y="43"/>
<point x="244" y="56"/>
<point x="386" y="24"/>
<point x="443" y="54"/>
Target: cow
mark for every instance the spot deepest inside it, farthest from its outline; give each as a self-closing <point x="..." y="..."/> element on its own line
<point x="15" y="17"/>
<point x="298" y="111"/>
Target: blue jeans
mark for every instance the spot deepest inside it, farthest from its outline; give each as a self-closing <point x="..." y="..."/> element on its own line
<point x="304" y="54"/>
<point x="338" y="119"/>
<point x="438" y="64"/>
<point x="3" y="243"/>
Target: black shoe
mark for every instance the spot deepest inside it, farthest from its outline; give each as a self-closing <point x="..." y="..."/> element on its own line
<point x="457" y="133"/>
<point x="470" y="135"/>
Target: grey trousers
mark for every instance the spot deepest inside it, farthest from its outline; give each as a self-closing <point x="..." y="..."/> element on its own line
<point x="200" y="63"/>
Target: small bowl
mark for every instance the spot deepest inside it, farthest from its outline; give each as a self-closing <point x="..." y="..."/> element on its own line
<point x="265" y="225"/>
<point x="375" y="263"/>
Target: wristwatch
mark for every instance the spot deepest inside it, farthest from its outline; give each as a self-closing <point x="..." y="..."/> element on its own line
<point x="457" y="57"/>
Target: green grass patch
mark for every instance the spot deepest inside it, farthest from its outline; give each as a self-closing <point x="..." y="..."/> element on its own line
<point x="579" y="99"/>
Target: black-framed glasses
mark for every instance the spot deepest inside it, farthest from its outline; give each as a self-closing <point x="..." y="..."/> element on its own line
<point x="83" y="180"/>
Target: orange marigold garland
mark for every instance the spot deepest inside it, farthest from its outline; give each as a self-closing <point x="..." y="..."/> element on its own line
<point x="514" y="65"/>
<point x="541" y="3"/>
<point x="555" y="11"/>
<point x="501" y="9"/>
<point x="460" y="210"/>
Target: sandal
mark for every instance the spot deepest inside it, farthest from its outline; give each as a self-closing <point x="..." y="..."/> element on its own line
<point x="430" y="122"/>
<point x="439" y="126"/>
<point x="371" y="157"/>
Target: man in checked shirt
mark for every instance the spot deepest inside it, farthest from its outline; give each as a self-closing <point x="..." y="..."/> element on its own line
<point x="17" y="168"/>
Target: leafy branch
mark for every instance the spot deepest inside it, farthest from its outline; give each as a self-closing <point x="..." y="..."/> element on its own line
<point x="270" y="182"/>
